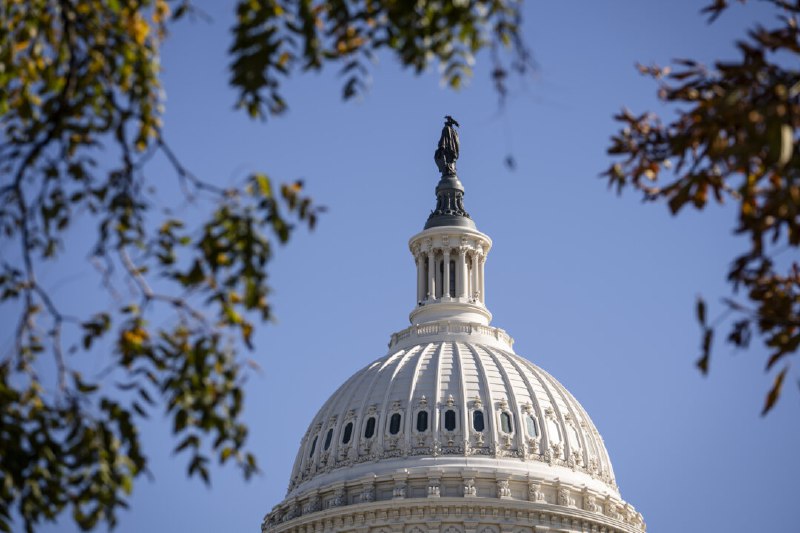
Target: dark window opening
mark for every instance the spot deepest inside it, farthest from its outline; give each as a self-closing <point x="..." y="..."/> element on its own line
<point x="427" y="281"/>
<point x="422" y="421"/>
<point x="505" y="422"/>
<point x="313" y="447"/>
<point x="440" y="279"/>
<point x="449" y="420"/>
<point x="533" y="427"/>
<point x="369" y="430"/>
<point x="452" y="278"/>
<point x="394" y="424"/>
<point x="328" y="438"/>
<point x="477" y="421"/>
<point x="348" y="432"/>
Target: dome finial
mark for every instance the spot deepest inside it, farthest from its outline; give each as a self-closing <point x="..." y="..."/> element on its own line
<point x="447" y="150"/>
<point x="449" y="192"/>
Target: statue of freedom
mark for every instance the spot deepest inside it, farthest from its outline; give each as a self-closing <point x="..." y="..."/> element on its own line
<point x="447" y="151"/>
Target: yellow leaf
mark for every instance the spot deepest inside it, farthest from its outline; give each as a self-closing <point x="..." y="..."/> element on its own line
<point x="138" y="29"/>
<point x="161" y="12"/>
<point x="787" y="144"/>
<point x="20" y="46"/>
<point x="135" y="337"/>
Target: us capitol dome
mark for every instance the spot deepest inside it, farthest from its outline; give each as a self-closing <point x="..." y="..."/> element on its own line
<point x="451" y="431"/>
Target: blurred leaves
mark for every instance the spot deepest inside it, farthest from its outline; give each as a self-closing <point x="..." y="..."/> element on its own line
<point x="81" y="109"/>
<point x="733" y="138"/>
<point x="55" y="455"/>
<point x="275" y="38"/>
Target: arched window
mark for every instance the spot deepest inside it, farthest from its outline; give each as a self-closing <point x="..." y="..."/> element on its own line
<point x="450" y="420"/>
<point x="348" y="432"/>
<point x="505" y="422"/>
<point x="369" y="429"/>
<point x="394" y="424"/>
<point x="313" y="447"/>
<point x="477" y="421"/>
<point x="422" y="421"/>
<point x="532" y="425"/>
<point x="328" y="438"/>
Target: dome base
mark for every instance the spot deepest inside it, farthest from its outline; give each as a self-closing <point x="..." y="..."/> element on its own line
<point x="453" y="309"/>
<point x="548" y="510"/>
<point x="454" y="331"/>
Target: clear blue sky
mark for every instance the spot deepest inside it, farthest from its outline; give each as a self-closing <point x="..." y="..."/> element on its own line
<point x="596" y="289"/>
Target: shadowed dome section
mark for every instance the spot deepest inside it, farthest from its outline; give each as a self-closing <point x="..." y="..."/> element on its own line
<point x="451" y="405"/>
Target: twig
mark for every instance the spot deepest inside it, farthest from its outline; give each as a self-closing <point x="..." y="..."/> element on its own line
<point x="185" y="174"/>
<point x="149" y="295"/>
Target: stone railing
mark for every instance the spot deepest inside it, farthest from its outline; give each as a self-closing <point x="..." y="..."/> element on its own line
<point x="447" y="327"/>
<point x="504" y="497"/>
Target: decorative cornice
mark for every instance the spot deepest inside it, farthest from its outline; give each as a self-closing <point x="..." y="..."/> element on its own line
<point x="549" y="505"/>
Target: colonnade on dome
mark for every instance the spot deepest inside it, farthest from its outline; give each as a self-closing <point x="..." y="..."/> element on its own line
<point x="450" y="274"/>
<point x="449" y="271"/>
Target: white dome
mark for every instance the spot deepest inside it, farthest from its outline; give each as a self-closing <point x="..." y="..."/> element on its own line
<point x="383" y="447"/>
<point x="451" y="432"/>
<point x="547" y="434"/>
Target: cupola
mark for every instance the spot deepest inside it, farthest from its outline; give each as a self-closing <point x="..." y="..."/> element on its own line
<point x="450" y="252"/>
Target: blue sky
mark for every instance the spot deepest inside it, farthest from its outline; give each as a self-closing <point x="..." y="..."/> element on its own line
<point x="597" y="289"/>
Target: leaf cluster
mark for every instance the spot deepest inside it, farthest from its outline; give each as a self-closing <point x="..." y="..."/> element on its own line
<point x="81" y="116"/>
<point x="54" y="456"/>
<point x="274" y="38"/>
<point x="78" y="79"/>
<point x="734" y="138"/>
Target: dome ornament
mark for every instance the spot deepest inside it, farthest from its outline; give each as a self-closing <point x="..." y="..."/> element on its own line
<point x="447" y="150"/>
<point x="449" y="192"/>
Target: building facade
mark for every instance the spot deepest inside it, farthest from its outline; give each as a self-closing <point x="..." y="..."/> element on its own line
<point x="451" y="431"/>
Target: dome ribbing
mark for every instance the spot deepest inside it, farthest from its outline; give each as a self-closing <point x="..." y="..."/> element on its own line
<point x="560" y="441"/>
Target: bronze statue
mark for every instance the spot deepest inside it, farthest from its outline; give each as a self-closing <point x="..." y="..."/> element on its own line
<point x="447" y="151"/>
<point x="449" y="191"/>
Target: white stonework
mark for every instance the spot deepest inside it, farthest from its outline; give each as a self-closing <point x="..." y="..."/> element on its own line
<point x="451" y="431"/>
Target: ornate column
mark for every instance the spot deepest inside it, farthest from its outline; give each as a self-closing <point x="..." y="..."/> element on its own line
<point x="475" y="287"/>
<point x="446" y="277"/>
<point x="461" y="273"/>
<point x="480" y="279"/>
<point x="431" y="295"/>
<point x="420" y="257"/>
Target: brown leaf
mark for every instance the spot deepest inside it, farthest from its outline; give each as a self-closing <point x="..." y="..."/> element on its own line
<point x="702" y="363"/>
<point x="777" y="356"/>
<point x="701" y="311"/>
<point x="775" y="391"/>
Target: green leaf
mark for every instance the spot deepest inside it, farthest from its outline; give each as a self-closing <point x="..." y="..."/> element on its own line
<point x="264" y="185"/>
<point x="181" y="419"/>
